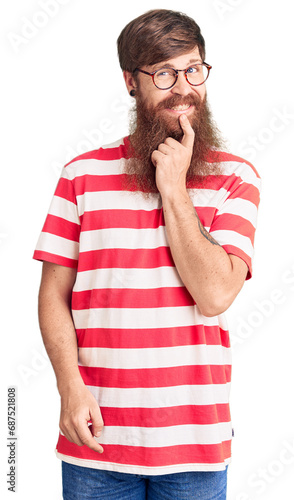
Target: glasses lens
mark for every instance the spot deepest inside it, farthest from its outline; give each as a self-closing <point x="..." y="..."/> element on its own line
<point x="197" y="74"/>
<point x="165" y="78"/>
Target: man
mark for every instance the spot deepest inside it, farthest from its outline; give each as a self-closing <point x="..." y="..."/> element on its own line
<point x="146" y="244"/>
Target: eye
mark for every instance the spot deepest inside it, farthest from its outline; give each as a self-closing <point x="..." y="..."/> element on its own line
<point x="164" y="72"/>
<point x="193" y="69"/>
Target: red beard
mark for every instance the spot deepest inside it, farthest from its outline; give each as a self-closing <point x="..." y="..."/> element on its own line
<point x="150" y="127"/>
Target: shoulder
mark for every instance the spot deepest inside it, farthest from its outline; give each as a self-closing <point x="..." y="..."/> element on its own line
<point x="235" y="168"/>
<point x="93" y="160"/>
<point x="231" y="161"/>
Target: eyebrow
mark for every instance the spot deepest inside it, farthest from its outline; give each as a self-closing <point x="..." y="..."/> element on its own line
<point x="167" y="65"/>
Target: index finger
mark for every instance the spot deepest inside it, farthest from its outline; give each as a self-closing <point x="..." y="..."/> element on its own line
<point x="189" y="134"/>
<point x="87" y="438"/>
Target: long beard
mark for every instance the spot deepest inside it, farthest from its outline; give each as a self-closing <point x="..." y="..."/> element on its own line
<point x="148" y="129"/>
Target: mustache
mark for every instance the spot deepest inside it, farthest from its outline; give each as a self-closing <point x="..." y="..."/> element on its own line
<point x="177" y="100"/>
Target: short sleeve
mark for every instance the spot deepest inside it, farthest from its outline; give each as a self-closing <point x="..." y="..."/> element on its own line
<point x="59" y="240"/>
<point x="234" y="224"/>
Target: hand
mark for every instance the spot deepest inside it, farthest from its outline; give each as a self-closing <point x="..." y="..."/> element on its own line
<point x="78" y="406"/>
<point x="172" y="160"/>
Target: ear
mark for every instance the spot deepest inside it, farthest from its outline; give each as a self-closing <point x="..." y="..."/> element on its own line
<point x="129" y="80"/>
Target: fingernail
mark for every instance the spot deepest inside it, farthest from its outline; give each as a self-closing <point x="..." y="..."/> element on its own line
<point x="98" y="434"/>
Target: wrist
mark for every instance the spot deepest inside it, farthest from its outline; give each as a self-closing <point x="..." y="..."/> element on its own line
<point x="68" y="384"/>
<point x="175" y="197"/>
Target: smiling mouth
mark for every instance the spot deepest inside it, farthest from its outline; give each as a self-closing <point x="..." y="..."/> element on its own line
<point x="181" y="107"/>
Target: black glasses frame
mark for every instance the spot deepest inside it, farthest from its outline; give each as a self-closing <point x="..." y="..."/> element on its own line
<point x="177" y="75"/>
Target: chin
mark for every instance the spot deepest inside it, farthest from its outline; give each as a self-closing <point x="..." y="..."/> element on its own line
<point x="172" y="124"/>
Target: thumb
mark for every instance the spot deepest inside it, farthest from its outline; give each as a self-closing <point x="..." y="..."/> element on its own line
<point x="97" y="420"/>
<point x="189" y="134"/>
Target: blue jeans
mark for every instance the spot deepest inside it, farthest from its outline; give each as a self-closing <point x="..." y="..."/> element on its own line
<point x="81" y="483"/>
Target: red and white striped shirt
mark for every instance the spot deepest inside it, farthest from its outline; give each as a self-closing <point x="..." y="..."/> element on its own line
<point x="159" y="369"/>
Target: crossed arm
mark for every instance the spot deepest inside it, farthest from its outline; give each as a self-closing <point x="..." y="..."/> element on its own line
<point x="212" y="276"/>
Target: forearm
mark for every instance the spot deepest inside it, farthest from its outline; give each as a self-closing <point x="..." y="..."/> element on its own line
<point x="203" y="265"/>
<point x="212" y="277"/>
<point x="78" y="405"/>
<point x="59" y="336"/>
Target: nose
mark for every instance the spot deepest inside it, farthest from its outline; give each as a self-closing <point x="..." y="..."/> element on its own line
<point x="181" y="87"/>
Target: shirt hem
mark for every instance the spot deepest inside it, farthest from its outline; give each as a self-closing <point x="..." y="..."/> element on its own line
<point x="134" y="469"/>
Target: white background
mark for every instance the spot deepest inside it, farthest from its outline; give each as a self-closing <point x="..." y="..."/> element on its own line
<point x="62" y="93"/>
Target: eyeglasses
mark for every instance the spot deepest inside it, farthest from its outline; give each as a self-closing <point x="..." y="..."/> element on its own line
<point x="165" y="78"/>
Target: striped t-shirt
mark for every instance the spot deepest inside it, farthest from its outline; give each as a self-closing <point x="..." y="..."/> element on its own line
<point x="159" y="370"/>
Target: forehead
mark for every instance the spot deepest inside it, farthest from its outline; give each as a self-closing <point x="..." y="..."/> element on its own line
<point x="179" y="62"/>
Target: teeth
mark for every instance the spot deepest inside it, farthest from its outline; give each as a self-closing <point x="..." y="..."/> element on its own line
<point x="181" y="107"/>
